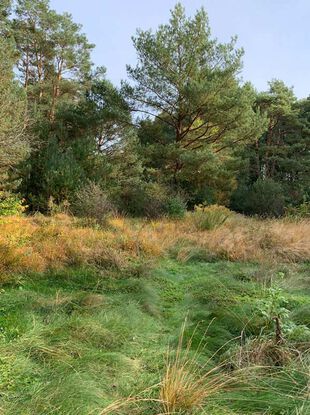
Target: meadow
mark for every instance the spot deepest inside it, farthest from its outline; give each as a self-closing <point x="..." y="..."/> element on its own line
<point x="154" y="317"/>
<point x="154" y="232"/>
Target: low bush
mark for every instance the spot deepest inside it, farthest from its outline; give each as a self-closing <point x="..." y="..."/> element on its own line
<point x="151" y="200"/>
<point x="264" y="198"/>
<point x="175" y="207"/>
<point x="10" y="204"/>
<point x="139" y="200"/>
<point x="92" y="202"/>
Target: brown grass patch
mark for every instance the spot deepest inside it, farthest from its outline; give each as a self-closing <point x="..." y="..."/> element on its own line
<point x="264" y="353"/>
<point x="40" y="243"/>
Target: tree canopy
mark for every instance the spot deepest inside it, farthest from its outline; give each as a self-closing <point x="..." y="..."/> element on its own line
<point x="183" y="129"/>
<point x="189" y="81"/>
<point x="14" y="143"/>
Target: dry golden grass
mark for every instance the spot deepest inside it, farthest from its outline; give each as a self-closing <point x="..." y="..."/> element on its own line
<point x="239" y="239"/>
<point x="187" y="385"/>
<point x="265" y="353"/>
<point x="40" y="243"/>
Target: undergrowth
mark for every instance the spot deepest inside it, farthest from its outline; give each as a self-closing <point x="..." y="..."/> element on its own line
<point x="39" y="244"/>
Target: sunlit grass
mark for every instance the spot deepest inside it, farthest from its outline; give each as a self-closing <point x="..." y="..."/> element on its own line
<point x="37" y="244"/>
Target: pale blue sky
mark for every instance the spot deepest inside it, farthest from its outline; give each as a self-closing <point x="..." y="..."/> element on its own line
<point x="274" y="33"/>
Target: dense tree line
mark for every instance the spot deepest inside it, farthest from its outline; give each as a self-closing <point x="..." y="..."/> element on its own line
<point x="182" y="130"/>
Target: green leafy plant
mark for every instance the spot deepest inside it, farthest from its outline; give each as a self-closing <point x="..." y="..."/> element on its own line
<point x="274" y="309"/>
<point x="11" y="205"/>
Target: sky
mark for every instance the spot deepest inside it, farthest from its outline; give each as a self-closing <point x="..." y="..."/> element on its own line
<point x="275" y="34"/>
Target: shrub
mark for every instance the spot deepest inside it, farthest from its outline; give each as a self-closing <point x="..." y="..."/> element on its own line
<point x="139" y="199"/>
<point x="92" y="202"/>
<point x="151" y="200"/>
<point x="155" y="199"/>
<point x="10" y="204"/>
<point x="267" y="198"/>
<point x="264" y="198"/>
<point x="210" y="217"/>
<point x="175" y="207"/>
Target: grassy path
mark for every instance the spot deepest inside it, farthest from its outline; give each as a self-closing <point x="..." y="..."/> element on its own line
<point x="73" y="341"/>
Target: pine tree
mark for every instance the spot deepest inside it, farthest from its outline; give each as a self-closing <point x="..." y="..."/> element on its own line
<point x="189" y="83"/>
<point x="14" y="144"/>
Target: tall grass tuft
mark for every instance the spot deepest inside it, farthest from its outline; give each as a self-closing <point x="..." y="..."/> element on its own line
<point x="187" y="385"/>
<point x="210" y="217"/>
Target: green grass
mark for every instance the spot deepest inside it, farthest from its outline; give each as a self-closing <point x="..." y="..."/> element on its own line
<point x="72" y="342"/>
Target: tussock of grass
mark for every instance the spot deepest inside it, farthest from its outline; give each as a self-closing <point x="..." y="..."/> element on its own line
<point x="186" y="385"/>
<point x="265" y="353"/>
